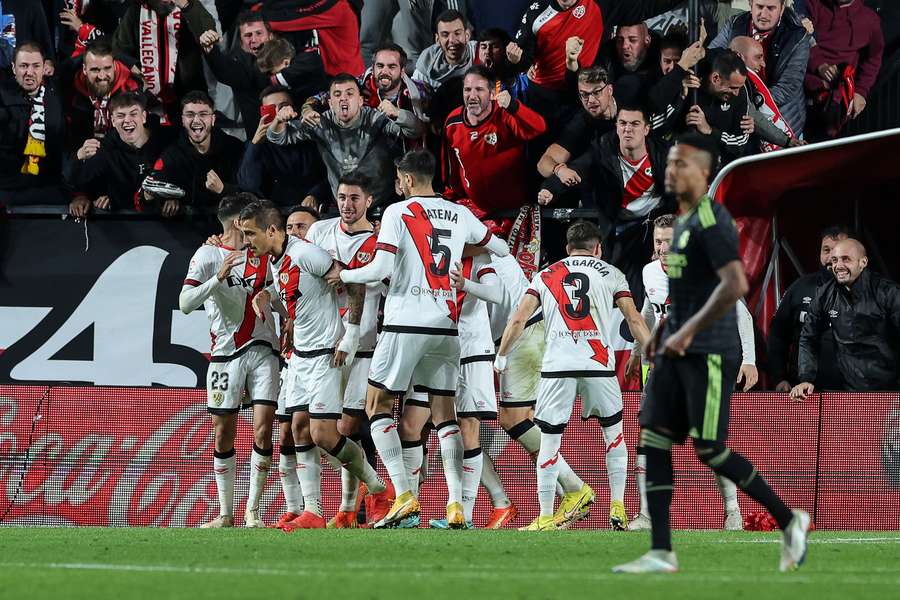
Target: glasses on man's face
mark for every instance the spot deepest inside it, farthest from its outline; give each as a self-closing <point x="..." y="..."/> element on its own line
<point x="190" y="116"/>
<point x="595" y="93"/>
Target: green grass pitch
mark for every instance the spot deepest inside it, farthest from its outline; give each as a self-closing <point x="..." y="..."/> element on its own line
<point x="97" y="563"/>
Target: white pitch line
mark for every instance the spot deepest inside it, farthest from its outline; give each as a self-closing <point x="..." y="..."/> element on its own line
<point x="872" y="540"/>
<point x="489" y="574"/>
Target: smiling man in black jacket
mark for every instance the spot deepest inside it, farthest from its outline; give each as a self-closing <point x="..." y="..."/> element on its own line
<point x="722" y="102"/>
<point x="114" y="168"/>
<point x="784" y="331"/>
<point x="863" y="311"/>
<point x="200" y="167"/>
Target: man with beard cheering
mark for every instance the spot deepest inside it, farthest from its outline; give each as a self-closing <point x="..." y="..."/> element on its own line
<point x="200" y="167"/>
<point x="100" y="78"/>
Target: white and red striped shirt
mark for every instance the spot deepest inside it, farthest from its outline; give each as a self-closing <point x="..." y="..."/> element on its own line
<point x="311" y="304"/>
<point x="640" y="195"/>
<point x="353" y="250"/>
<point x="233" y="325"/>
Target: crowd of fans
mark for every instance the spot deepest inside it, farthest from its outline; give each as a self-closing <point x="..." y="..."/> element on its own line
<point x="168" y="105"/>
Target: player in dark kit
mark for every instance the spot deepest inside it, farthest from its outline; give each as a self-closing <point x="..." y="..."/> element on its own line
<point x="689" y="389"/>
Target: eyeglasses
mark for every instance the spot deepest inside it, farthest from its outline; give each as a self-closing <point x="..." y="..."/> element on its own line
<point x="593" y="93"/>
<point x="190" y="116"/>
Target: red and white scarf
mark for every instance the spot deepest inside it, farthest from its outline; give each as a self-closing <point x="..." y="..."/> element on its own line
<point x="770" y="110"/>
<point x="159" y="49"/>
<point x="525" y="239"/>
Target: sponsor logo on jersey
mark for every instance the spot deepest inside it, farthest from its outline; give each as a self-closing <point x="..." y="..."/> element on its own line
<point x="579" y="11"/>
<point x="491" y="138"/>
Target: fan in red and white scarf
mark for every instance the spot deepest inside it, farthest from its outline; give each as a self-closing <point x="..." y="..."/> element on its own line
<point x="72" y="16"/>
<point x="753" y="53"/>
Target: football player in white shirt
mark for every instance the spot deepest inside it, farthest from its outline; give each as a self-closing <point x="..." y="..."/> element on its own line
<point x="578" y="295"/>
<point x="322" y="345"/>
<point x="656" y="288"/>
<point x="502" y="284"/>
<point x="350" y="239"/>
<point x="224" y="280"/>
<point x="420" y="239"/>
<point x="299" y="220"/>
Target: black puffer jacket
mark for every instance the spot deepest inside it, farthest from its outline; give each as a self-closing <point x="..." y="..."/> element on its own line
<point x="865" y="321"/>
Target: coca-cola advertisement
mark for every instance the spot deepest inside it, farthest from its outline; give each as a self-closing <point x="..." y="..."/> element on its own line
<point x="143" y="457"/>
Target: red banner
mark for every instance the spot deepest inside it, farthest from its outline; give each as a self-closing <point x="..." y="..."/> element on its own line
<point x="143" y="456"/>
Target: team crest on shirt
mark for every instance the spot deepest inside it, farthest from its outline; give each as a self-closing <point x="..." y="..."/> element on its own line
<point x="491" y="138"/>
<point x="579" y="11"/>
<point x="683" y="239"/>
<point x="284" y="278"/>
<point x="648" y="171"/>
<point x="364" y="257"/>
<point x="254" y="261"/>
<point x="832" y="314"/>
<point x="218" y="398"/>
<point x="806" y="299"/>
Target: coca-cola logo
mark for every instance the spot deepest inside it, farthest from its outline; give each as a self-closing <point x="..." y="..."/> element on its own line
<point x="123" y="476"/>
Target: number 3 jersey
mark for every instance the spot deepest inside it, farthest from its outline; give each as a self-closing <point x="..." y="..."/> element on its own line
<point x="353" y="250"/>
<point x="578" y="295"/>
<point x="311" y="304"/>
<point x="427" y="235"/>
<point x="233" y="325"/>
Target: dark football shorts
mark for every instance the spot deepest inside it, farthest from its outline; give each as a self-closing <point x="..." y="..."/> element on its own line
<point x="690" y="396"/>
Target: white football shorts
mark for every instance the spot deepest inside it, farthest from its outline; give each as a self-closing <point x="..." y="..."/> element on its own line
<point x="254" y="370"/>
<point x="601" y="398"/>
<point x="475" y="396"/>
<point x="429" y="363"/>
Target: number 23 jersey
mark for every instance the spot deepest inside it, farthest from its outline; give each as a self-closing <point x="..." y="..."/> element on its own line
<point x="578" y="295"/>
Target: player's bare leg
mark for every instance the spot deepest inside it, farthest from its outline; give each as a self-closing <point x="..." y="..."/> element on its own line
<point x="309" y="472"/>
<point x="287" y="474"/>
<point x="379" y="407"/>
<point x="260" y="461"/>
<point x="443" y="413"/>
<point x="224" y="466"/>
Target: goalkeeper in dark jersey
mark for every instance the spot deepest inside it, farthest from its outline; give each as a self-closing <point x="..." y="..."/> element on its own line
<point x="697" y="359"/>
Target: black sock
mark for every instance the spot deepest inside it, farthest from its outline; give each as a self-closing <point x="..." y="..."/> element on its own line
<point x="742" y="472"/>
<point x="659" y="496"/>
